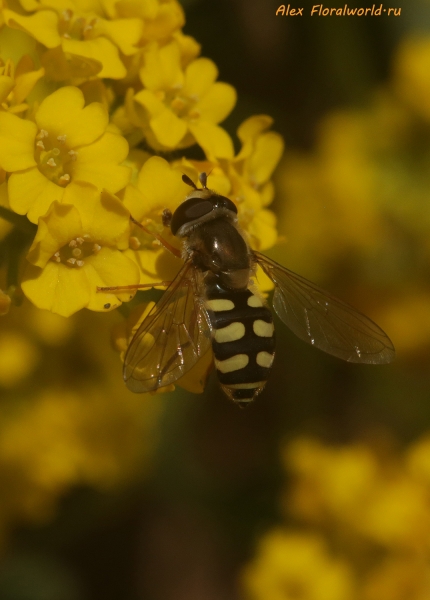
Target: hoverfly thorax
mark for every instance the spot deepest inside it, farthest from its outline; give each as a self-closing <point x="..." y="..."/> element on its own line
<point x="208" y="224"/>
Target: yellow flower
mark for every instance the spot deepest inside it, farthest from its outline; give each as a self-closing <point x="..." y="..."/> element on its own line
<point x="245" y="178"/>
<point x="179" y="107"/>
<point x="250" y="173"/>
<point x="16" y="84"/>
<point x="78" y="248"/>
<point x="158" y="186"/>
<point x="80" y="43"/>
<point x="161" y="18"/>
<point x="68" y="143"/>
<point x="290" y="565"/>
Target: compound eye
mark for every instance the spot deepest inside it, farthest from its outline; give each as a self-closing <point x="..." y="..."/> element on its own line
<point x="189" y="211"/>
<point x="228" y="204"/>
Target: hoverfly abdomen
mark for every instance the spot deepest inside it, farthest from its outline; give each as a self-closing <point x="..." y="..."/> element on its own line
<point x="243" y="341"/>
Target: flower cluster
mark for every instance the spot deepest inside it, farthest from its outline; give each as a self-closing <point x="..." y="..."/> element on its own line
<point x="361" y="525"/>
<point x="360" y="199"/>
<point x="91" y="94"/>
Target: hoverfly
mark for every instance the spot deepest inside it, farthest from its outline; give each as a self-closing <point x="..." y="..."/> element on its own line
<point x="213" y="302"/>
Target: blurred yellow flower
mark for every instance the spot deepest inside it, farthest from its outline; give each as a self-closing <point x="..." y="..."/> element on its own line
<point x="63" y="438"/>
<point x="397" y="514"/>
<point x="373" y="498"/>
<point x="358" y="203"/>
<point x="329" y="481"/>
<point x="68" y="143"/>
<point x="291" y="565"/>
<point x="399" y="578"/>
<point x="411" y="67"/>
<point x="77" y="248"/>
<point x="18" y="357"/>
<point x="5" y="301"/>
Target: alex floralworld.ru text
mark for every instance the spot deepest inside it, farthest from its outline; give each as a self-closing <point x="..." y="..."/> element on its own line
<point x="318" y="10"/>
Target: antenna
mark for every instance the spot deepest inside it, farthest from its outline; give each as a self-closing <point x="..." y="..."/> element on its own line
<point x="203" y="178"/>
<point x="188" y="181"/>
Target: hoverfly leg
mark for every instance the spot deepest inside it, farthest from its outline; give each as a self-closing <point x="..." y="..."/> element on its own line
<point x="137" y="286"/>
<point x="162" y="241"/>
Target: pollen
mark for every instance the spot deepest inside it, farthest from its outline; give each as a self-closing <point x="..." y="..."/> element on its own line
<point x="42" y="134"/>
<point x="76" y="251"/>
<point x="135" y="243"/>
<point x="54" y="159"/>
<point x="64" y="179"/>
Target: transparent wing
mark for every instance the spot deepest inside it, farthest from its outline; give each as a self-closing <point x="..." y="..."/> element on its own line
<point x="173" y="336"/>
<point x="323" y="321"/>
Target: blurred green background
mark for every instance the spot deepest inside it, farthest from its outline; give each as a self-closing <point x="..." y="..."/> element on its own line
<point x="106" y="495"/>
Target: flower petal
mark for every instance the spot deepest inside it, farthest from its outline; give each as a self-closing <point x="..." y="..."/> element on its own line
<point x="214" y="140"/>
<point x="32" y="193"/>
<point x="168" y="128"/>
<point x="267" y="153"/>
<point x="98" y="163"/>
<point x="102" y="50"/>
<point x="162" y="67"/>
<point x="103" y="216"/>
<point x="263" y="229"/>
<point x="61" y="224"/>
<point x="199" y="77"/>
<point x="253" y="126"/>
<point x="124" y="33"/>
<point x="155" y="265"/>
<point x="16" y="142"/>
<point x="217" y="103"/>
<point x="64" y="113"/>
<point x="152" y="104"/>
<point x="61" y="289"/>
<point x="6" y="86"/>
<point x="25" y="83"/>
<point x="135" y="201"/>
<point x="65" y="67"/>
<point x="161" y="185"/>
<point x="109" y="267"/>
<point x="42" y="25"/>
